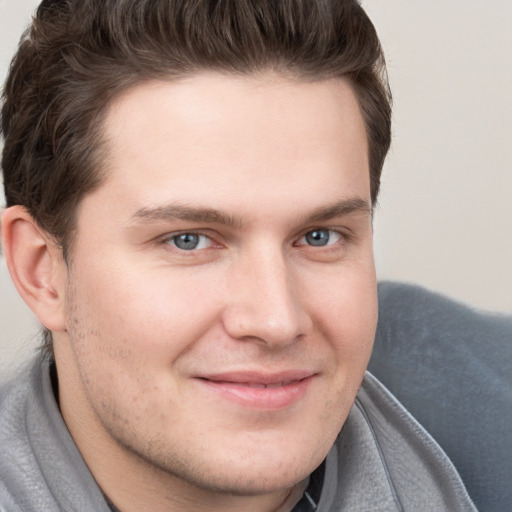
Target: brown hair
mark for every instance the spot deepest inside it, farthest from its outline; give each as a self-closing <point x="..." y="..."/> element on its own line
<point x="79" y="54"/>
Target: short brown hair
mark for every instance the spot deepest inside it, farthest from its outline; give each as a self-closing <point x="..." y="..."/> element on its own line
<point x="79" y="54"/>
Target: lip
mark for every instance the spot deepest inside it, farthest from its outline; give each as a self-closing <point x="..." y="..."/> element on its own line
<point x="257" y="390"/>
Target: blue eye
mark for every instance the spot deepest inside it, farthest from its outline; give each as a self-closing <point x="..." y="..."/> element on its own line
<point x="320" y="237"/>
<point x="190" y="241"/>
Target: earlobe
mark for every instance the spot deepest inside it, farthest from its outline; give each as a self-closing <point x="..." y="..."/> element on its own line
<point x="36" y="266"/>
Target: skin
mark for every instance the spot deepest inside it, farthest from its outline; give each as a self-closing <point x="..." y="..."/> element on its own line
<point x="253" y="165"/>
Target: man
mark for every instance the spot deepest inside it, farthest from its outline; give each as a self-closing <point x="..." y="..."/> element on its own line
<point x="190" y="189"/>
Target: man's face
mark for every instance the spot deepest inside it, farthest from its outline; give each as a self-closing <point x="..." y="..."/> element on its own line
<point x="221" y="296"/>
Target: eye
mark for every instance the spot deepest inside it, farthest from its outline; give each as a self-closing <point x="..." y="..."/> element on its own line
<point x="320" y="237"/>
<point x="190" y="241"/>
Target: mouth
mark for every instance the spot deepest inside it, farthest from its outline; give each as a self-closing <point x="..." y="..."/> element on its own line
<point x="259" y="390"/>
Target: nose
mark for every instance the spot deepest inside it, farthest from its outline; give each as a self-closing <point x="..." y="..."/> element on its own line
<point x="264" y="303"/>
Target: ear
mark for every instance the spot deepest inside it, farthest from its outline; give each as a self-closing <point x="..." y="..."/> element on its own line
<point x="36" y="265"/>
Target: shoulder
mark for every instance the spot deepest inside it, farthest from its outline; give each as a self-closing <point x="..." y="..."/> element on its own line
<point x="16" y="396"/>
<point x="7" y="501"/>
<point x="417" y="469"/>
<point x="384" y="460"/>
<point x="41" y="467"/>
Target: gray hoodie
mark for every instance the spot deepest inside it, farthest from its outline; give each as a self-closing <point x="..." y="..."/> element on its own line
<point x="382" y="460"/>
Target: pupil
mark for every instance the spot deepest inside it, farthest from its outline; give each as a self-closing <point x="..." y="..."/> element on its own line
<point x="318" y="237"/>
<point x="187" y="241"/>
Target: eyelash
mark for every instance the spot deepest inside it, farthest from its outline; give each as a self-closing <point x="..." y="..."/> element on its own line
<point x="339" y="238"/>
<point x="169" y="239"/>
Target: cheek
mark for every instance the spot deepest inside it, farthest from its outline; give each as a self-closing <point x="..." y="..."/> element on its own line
<point x="144" y="310"/>
<point x="347" y="318"/>
<point x="347" y="304"/>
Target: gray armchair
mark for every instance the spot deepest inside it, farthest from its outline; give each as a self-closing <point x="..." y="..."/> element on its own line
<point x="451" y="367"/>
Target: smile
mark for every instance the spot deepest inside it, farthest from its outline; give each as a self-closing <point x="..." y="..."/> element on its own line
<point x="260" y="391"/>
<point x="266" y="386"/>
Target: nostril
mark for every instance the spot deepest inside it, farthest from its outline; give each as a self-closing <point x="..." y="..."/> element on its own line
<point x="264" y="304"/>
<point x="277" y="327"/>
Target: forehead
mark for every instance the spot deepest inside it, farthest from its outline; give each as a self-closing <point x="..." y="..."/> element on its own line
<point x="211" y="134"/>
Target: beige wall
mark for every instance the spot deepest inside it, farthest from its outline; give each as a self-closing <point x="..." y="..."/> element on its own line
<point x="445" y="218"/>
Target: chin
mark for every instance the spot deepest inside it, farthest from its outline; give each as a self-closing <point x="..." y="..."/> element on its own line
<point x="253" y="483"/>
<point x="264" y="472"/>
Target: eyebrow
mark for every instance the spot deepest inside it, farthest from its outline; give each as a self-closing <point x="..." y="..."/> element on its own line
<point x="175" y="211"/>
<point x="338" y="209"/>
<point x="178" y="211"/>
